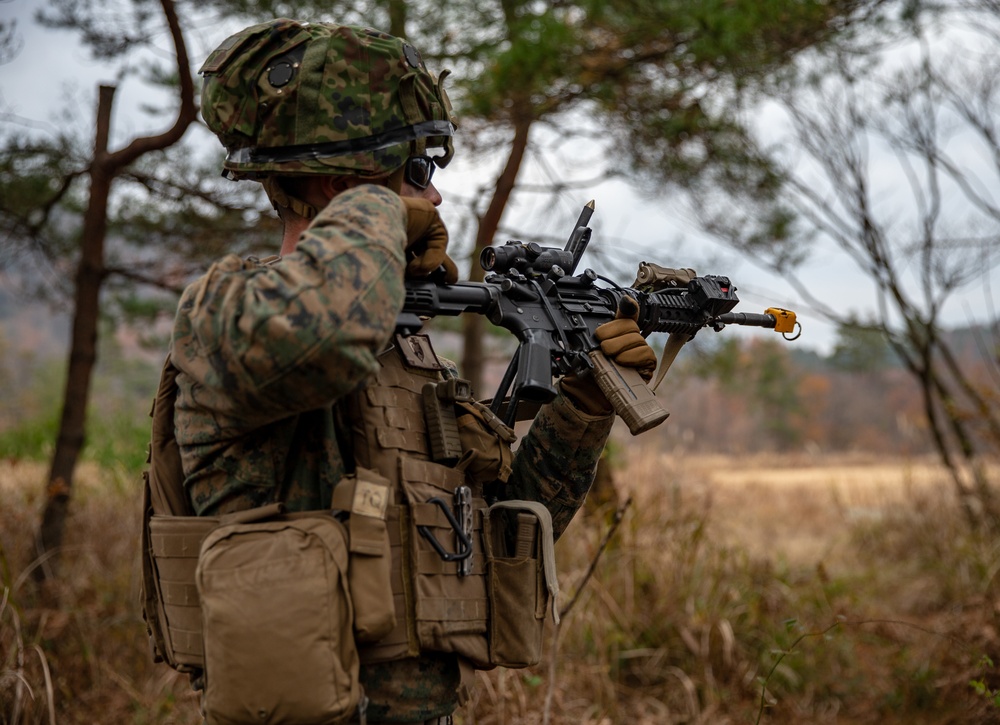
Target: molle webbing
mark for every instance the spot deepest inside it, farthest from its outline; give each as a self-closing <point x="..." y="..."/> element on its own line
<point x="436" y="609"/>
<point x="175" y="542"/>
<point x="388" y="417"/>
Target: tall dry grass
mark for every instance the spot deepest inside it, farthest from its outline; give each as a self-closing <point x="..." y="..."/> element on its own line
<point x="75" y="651"/>
<point x="732" y="591"/>
<point x="778" y="591"/>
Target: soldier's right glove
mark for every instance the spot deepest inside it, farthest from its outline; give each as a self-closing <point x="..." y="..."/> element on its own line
<point x="622" y="343"/>
<point x="426" y="241"/>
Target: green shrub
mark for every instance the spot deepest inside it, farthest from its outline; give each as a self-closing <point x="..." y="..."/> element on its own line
<point x="31" y="439"/>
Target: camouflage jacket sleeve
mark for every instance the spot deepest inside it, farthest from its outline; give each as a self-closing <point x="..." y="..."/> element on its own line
<point x="260" y="344"/>
<point x="556" y="460"/>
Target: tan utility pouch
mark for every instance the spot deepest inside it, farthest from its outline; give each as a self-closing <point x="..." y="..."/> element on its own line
<point x="170" y="556"/>
<point x="486" y="444"/>
<point x="521" y="580"/>
<point x="367" y="495"/>
<point x="278" y="623"/>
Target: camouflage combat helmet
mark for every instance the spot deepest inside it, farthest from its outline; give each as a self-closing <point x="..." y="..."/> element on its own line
<point x="299" y="98"/>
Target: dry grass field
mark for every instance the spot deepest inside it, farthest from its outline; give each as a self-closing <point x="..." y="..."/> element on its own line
<point x="734" y="590"/>
<point x="799" y="507"/>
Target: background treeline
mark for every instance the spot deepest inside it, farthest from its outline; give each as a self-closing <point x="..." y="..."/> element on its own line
<point x="728" y="393"/>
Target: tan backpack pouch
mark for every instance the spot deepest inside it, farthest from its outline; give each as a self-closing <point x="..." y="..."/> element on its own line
<point x="149" y="588"/>
<point x="277" y="614"/>
<point x="521" y="580"/>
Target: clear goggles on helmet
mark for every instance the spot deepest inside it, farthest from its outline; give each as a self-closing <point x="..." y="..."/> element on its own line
<point x="419" y="171"/>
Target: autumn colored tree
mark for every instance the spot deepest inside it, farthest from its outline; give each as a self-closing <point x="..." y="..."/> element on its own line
<point x="760" y="373"/>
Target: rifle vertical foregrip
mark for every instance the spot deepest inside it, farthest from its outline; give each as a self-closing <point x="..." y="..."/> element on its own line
<point x="628" y="394"/>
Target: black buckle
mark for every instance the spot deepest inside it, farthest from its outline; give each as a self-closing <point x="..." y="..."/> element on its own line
<point x="464" y="539"/>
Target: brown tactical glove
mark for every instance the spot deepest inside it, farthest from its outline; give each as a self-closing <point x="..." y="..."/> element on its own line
<point x="623" y="344"/>
<point x="426" y="241"/>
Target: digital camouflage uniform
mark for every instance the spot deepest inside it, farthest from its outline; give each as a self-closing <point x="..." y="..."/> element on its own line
<point x="265" y="352"/>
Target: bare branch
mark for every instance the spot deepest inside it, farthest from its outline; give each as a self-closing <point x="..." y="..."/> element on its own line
<point x="187" y="112"/>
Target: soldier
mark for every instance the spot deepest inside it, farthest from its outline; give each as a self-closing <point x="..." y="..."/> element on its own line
<point x="288" y="386"/>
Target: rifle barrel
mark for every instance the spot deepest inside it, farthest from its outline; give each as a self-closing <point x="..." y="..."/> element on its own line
<point x="750" y="319"/>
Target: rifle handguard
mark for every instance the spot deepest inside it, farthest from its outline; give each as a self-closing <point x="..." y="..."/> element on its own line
<point x="628" y="394"/>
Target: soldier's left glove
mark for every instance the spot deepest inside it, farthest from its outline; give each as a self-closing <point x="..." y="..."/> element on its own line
<point x="622" y="343"/>
<point x="426" y="241"/>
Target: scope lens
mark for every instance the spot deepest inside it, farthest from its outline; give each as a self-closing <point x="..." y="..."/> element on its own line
<point x="488" y="258"/>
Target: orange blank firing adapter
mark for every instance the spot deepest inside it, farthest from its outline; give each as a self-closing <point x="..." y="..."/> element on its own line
<point x="784" y="320"/>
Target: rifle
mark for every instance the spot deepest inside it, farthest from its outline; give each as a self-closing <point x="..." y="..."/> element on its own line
<point x="534" y="292"/>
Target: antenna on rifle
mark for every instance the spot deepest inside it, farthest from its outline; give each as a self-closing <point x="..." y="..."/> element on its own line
<point x="580" y="237"/>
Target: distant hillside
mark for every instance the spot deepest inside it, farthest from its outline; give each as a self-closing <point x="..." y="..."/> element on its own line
<point x="31" y="326"/>
<point x="976" y="342"/>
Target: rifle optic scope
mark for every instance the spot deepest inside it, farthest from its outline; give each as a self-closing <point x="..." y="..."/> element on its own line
<point x="530" y="257"/>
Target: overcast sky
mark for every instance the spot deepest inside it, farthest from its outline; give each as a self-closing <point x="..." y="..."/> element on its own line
<point x="53" y="74"/>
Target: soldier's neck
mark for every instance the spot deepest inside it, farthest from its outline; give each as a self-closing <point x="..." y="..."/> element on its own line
<point x="290" y="237"/>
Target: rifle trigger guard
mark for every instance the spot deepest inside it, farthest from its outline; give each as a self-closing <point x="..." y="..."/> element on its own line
<point x="465" y="543"/>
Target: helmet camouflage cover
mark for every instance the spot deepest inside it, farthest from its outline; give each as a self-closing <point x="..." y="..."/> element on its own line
<point x="294" y="98"/>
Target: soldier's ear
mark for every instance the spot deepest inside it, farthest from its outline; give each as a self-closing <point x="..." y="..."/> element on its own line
<point x="330" y="186"/>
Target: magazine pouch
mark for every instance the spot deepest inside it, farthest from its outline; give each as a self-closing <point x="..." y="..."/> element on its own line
<point x="521" y="580"/>
<point x="277" y="622"/>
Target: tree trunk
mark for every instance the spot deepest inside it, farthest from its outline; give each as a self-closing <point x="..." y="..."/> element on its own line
<point x="83" y="346"/>
<point x="104" y="167"/>
<point x="397" y="18"/>
<point x="473" y="357"/>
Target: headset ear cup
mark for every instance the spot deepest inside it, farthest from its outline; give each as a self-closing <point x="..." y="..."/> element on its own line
<point x="281" y="199"/>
